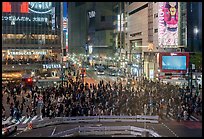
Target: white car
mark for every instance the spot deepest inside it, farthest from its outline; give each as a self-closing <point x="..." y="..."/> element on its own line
<point x="8" y="128"/>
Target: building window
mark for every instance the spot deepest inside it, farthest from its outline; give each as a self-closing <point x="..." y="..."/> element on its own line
<point x="138" y="9"/>
<point x="103" y="18"/>
<point x="156" y="15"/>
<point x="156" y="30"/>
<point x="136" y="34"/>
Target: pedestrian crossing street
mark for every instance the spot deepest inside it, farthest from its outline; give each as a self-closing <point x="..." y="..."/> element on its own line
<point x="169" y="118"/>
<point x="23" y="119"/>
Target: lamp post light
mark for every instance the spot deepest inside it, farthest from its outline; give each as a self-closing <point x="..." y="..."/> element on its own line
<point x="61" y="31"/>
<point x="195" y="31"/>
<point x="145" y="113"/>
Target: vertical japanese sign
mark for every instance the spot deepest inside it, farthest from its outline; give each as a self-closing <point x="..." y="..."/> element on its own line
<point x="65" y="16"/>
<point x="53" y="18"/>
<point x="168" y="24"/>
<point x="65" y="23"/>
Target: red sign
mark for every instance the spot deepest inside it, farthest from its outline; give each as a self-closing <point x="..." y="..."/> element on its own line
<point x="15" y="7"/>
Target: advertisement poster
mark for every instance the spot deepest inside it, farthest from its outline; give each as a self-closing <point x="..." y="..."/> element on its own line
<point x="27" y="7"/>
<point x="53" y="18"/>
<point x="168" y="24"/>
<point x="174" y="62"/>
<point x="32" y="13"/>
<point x="65" y="23"/>
<point x="65" y="16"/>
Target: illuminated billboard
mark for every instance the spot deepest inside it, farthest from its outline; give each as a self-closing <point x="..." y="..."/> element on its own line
<point x="27" y="7"/>
<point x="174" y="62"/>
<point x="31" y="13"/>
<point x="168" y="24"/>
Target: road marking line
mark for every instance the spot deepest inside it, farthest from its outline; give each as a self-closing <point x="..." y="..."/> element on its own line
<point x="194" y="118"/>
<point x="34" y="118"/>
<point x="26" y="120"/>
<point x="53" y="131"/>
<point x="22" y="118"/>
<point x="13" y="121"/>
<point x="9" y="118"/>
<point x="170" y="130"/>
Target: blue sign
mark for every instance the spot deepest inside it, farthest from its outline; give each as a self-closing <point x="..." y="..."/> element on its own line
<point x="53" y="18"/>
<point x="174" y="62"/>
<point x="65" y="19"/>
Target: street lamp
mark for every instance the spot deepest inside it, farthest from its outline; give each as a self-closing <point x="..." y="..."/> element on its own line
<point x="61" y="31"/>
<point x="195" y="31"/>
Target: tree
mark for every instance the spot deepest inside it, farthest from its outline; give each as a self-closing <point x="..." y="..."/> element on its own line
<point x="196" y="59"/>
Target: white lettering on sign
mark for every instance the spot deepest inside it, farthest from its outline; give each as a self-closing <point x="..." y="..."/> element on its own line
<point x="161" y="28"/>
<point x="51" y="66"/>
<point x="27" y="53"/>
<point x="23" y="18"/>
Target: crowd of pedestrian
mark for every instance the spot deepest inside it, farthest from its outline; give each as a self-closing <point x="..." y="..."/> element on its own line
<point x="104" y="98"/>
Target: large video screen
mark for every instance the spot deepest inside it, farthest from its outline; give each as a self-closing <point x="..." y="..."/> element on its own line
<point x="27" y="7"/>
<point x="168" y="20"/>
<point x="28" y="14"/>
<point x="174" y="62"/>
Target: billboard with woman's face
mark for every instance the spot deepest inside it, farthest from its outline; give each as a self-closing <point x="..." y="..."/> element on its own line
<point x="168" y="24"/>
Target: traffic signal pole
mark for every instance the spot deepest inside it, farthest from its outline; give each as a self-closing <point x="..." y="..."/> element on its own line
<point x="62" y="38"/>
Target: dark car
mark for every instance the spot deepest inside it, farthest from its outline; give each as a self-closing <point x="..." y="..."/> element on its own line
<point x="100" y="71"/>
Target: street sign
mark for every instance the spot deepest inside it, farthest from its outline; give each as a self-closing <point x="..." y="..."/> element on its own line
<point x="193" y="66"/>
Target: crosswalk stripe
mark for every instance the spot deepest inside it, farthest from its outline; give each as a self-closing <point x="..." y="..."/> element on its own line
<point x="18" y="122"/>
<point x="13" y="120"/>
<point x="22" y="118"/>
<point x="194" y="118"/>
<point x="26" y="120"/>
<point x="170" y="114"/>
<point x="9" y="118"/>
<point x="191" y="119"/>
<point x="34" y="118"/>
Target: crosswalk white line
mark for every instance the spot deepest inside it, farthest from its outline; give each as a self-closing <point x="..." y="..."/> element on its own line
<point x="13" y="120"/>
<point x="22" y="118"/>
<point x="18" y="122"/>
<point x="26" y="120"/>
<point x="191" y="119"/>
<point x="34" y="118"/>
<point x="194" y="118"/>
<point x="9" y="118"/>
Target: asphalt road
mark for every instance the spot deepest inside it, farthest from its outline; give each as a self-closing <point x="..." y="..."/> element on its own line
<point x="165" y="129"/>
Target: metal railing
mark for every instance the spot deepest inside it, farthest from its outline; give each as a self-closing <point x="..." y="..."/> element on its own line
<point x="106" y="130"/>
<point x="96" y="119"/>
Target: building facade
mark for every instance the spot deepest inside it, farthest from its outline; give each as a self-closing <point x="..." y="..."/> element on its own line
<point x="194" y="26"/>
<point x="30" y="36"/>
<point x="146" y="37"/>
<point x="91" y="24"/>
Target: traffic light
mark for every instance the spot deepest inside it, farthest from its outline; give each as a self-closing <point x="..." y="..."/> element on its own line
<point x="29" y="81"/>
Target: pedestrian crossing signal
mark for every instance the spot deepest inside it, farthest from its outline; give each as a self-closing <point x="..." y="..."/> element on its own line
<point x="29" y="80"/>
